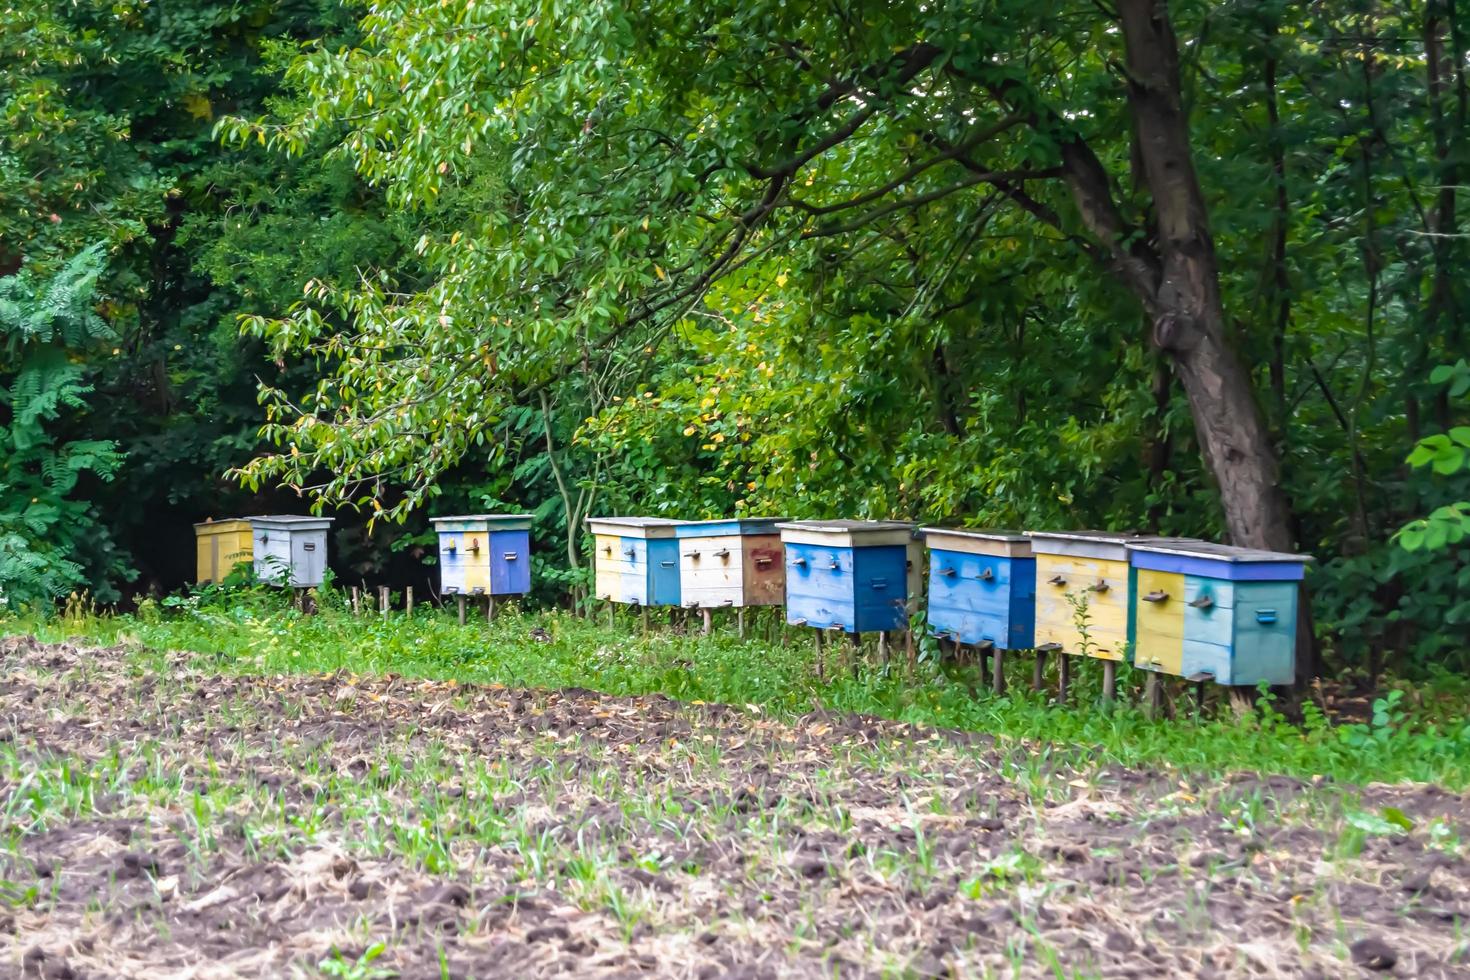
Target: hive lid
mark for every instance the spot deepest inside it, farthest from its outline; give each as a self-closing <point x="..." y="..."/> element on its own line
<point x="291" y="521"/>
<point x="847" y="534"/>
<point x="635" y="527"/>
<point x="838" y="527"/>
<point x="978" y="541"/>
<point x="1100" y="545"/>
<point x="984" y="534"/>
<point x="223" y="524"/>
<point x="506" y="521"/>
<point x="1210" y="551"/>
<point x="1100" y="537"/>
<point x="729" y="525"/>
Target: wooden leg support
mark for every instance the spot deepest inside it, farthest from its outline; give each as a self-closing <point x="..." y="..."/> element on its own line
<point x="998" y="671"/>
<point x="408" y="602"/>
<point x="490" y="609"/>
<point x="459" y="602"/>
<point x="1152" y="696"/>
<point x="1038" y="672"/>
<point x="1110" y="681"/>
<point x="1064" y="677"/>
<point x="708" y="625"/>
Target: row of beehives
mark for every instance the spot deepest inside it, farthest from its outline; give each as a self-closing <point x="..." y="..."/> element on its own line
<point x="478" y="555"/>
<point x="1178" y="606"/>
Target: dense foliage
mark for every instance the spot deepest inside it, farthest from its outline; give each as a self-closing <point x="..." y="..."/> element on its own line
<point x="701" y="259"/>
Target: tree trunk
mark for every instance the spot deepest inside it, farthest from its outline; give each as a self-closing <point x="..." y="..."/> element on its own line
<point x="1442" y="322"/>
<point x="1186" y="307"/>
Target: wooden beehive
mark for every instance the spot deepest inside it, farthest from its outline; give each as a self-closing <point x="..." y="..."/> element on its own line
<point x="731" y="563"/>
<point x="290" y="550"/>
<point x="1212" y="612"/>
<point x="851" y="576"/>
<point x="1082" y="591"/>
<point x="636" y="560"/>
<point x="220" y="546"/>
<point x="484" y="554"/>
<point x="982" y="587"/>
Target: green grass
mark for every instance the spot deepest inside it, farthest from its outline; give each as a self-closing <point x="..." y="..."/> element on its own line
<point x="1411" y="737"/>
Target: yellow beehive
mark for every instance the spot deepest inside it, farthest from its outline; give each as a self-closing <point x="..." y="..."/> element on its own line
<point x="1082" y="592"/>
<point x="220" y="546"/>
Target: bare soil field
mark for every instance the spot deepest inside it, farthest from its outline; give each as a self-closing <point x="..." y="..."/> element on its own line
<point x="160" y="818"/>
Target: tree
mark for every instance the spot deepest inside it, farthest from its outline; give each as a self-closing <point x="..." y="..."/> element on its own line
<point x="45" y="324"/>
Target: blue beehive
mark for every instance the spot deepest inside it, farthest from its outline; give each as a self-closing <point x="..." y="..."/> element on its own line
<point x="851" y="576"/>
<point x="982" y="587"/>
<point x="636" y="560"/>
<point x="484" y="554"/>
<point x="1212" y="612"/>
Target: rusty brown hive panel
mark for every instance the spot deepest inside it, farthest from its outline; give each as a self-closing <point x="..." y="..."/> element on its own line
<point x="765" y="570"/>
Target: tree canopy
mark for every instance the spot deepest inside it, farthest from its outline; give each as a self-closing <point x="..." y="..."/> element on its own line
<point x="1191" y="267"/>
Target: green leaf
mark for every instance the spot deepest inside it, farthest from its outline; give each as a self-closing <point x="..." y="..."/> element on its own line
<point x="1397" y="817"/>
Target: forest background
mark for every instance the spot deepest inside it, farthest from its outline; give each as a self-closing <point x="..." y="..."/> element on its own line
<point x="976" y="263"/>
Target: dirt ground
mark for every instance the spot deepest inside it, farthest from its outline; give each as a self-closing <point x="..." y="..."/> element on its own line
<point x="160" y="820"/>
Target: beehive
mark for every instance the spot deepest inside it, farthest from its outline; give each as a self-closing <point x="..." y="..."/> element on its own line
<point x="1082" y="591"/>
<point x="1213" y="612"/>
<point x="290" y="550"/>
<point x="484" y="554"/>
<point x="636" y="560"/>
<point x="982" y="587"/>
<point x="851" y="576"/>
<point x="730" y="563"/>
<point x="220" y="546"/>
